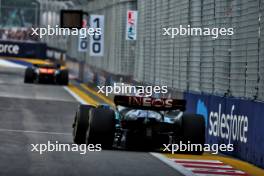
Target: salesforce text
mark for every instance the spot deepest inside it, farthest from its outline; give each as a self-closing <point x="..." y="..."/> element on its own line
<point x="228" y="126"/>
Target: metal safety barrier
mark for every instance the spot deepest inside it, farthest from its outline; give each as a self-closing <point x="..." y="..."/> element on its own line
<point x="227" y="65"/>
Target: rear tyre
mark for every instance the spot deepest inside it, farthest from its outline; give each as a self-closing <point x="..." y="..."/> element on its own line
<point x="80" y="124"/>
<point x="29" y="75"/>
<point x="193" y="131"/>
<point x="63" y="77"/>
<point x="101" y="128"/>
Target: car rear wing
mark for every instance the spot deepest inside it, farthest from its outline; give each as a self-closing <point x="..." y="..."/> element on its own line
<point x="48" y="65"/>
<point x="160" y="104"/>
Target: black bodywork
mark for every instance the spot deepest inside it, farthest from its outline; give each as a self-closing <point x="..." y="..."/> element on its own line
<point x="138" y="123"/>
<point x="143" y="132"/>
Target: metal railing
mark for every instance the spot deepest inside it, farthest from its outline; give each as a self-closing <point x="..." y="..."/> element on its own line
<point x="229" y="65"/>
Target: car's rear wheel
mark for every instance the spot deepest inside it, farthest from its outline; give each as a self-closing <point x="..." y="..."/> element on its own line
<point x="80" y="124"/>
<point x="63" y="77"/>
<point x="29" y="75"/>
<point x="193" y="132"/>
<point x="101" y="127"/>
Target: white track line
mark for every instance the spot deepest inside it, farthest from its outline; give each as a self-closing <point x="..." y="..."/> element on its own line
<point x="77" y="97"/>
<point x="34" y="132"/>
<point x="206" y="165"/>
<point x="5" y="63"/>
<point x="192" y="160"/>
<point x="172" y="164"/>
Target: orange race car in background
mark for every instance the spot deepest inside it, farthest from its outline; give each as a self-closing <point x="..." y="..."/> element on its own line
<point x="47" y="73"/>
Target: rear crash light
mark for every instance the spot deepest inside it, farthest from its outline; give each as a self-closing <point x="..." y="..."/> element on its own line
<point x="46" y="71"/>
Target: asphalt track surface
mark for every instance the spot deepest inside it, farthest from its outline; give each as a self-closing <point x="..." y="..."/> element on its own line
<point x="31" y="114"/>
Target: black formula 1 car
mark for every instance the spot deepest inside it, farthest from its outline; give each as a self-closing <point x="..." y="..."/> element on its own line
<point x="138" y="123"/>
<point x="47" y="73"/>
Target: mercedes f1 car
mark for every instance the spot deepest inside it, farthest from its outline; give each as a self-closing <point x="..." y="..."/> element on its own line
<point x="138" y="123"/>
<point x="47" y="73"/>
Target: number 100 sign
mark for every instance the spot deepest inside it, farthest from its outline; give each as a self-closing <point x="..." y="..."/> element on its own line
<point x="97" y="41"/>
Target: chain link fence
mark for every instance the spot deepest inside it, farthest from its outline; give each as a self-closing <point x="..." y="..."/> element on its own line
<point x="260" y="84"/>
<point x="119" y="54"/>
<point x="228" y="65"/>
<point x="49" y="11"/>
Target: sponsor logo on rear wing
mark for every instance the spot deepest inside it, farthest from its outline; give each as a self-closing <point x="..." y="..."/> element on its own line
<point x="161" y="104"/>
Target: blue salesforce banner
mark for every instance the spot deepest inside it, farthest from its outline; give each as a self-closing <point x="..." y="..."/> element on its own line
<point x="232" y="121"/>
<point x="23" y="49"/>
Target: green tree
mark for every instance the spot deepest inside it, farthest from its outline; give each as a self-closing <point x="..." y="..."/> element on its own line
<point x="17" y="13"/>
